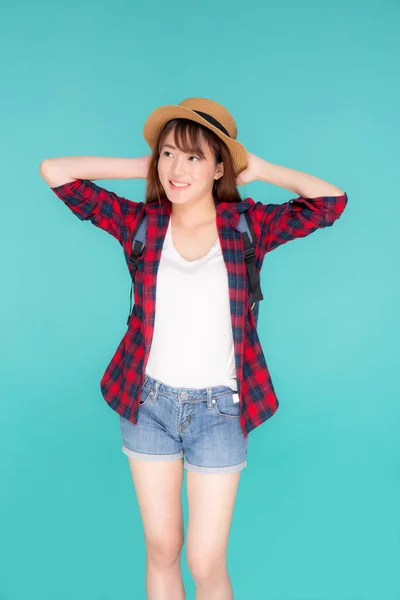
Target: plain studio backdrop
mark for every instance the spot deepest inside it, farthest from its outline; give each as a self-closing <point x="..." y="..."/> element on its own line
<point x="313" y="86"/>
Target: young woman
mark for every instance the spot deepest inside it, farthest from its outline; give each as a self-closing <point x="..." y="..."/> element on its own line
<point x="189" y="379"/>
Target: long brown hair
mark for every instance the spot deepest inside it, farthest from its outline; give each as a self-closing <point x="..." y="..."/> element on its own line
<point x="186" y="136"/>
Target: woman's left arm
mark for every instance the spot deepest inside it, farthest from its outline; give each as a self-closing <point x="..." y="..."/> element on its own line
<point x="302" y="184"/>
<point x="319" y="203"/>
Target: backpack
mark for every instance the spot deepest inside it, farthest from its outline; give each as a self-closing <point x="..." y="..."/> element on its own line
<point x="253" y="278"/>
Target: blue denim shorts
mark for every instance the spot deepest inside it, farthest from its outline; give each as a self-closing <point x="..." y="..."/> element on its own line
<point x="201" y="424"/>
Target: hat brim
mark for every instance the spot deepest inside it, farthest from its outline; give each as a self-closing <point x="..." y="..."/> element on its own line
<point x="157" y="119"/>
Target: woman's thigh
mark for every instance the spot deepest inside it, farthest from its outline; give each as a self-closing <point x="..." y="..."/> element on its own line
<point x="211" y="499"/>
<point x="158" y="486"/>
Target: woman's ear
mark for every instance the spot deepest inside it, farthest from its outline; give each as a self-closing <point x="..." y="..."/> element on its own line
<point x="219" y="170"/>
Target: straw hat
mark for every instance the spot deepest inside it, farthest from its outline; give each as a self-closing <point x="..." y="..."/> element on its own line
<point x="206" y="112"/>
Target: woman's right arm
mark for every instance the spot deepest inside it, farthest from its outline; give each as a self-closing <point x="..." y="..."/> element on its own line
<point x="58" y="171"/>
<point x="70" y="179"/>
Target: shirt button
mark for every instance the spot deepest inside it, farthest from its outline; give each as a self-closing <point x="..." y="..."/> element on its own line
<point x="213" y="400"/>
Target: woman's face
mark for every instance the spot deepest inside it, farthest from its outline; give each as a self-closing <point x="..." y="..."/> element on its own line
<point x="199" y="173"/>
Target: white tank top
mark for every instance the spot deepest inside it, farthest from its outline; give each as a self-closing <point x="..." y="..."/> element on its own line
<point x="192" y="343"/>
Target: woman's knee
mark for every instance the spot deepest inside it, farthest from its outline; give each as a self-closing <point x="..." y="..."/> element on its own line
<point x="207" y="568"/>
<point x="166" y="551"/>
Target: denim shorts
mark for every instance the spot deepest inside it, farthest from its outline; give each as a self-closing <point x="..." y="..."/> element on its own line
<point x="202" y="424"/>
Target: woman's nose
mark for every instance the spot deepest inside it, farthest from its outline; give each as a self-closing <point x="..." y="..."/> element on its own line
<point x="179" y="168"/>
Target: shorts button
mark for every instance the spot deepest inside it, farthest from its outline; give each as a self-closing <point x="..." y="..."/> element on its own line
<point x="184" y="395"/>
<point x="213" y="400"/>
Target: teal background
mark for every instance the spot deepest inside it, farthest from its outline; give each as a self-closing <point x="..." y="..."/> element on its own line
<point x="313" y="86"/>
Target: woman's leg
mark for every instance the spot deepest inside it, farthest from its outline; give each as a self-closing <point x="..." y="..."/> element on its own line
<point x="211" y="499"/>
<point x="158" y="486"/>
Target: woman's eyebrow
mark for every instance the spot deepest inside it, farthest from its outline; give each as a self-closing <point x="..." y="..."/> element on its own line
<point x="174" y="148"/>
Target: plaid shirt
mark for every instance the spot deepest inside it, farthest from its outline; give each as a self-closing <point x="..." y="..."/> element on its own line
<point x="274" y="224"/>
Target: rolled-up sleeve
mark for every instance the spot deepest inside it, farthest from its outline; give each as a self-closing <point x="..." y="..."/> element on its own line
<point x="281" y="223"/>
<point x="105" y="209"/>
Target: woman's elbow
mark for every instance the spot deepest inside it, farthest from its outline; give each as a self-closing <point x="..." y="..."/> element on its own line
<point x="52" y="174"/>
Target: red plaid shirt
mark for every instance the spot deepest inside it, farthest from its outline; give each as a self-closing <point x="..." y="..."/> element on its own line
<point x="274" y="224"/>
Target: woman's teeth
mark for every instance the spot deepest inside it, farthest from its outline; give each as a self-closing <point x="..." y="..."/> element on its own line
<point x="180" y="185"/>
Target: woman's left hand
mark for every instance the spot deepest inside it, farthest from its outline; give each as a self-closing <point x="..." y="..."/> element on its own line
<point x="250" y="173"/>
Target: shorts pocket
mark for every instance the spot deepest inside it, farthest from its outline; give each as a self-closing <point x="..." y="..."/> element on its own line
<point x="224" y="406"/>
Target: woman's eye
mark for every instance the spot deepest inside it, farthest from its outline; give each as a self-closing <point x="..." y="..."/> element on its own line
<point x="166" y="152"/>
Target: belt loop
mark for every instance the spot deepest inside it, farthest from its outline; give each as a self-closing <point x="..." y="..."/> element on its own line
<point x="209" y="397"/>
<point x="155" y="389"/>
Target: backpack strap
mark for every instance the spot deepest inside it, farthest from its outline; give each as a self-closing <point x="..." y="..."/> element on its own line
<point x="249" y="243"/>
<point x="138" y="243"/>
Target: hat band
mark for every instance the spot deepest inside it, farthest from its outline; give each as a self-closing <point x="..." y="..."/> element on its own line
<point x="212" y="121"/>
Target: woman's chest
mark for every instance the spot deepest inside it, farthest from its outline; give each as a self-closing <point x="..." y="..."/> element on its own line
<point x="195" y="244"/>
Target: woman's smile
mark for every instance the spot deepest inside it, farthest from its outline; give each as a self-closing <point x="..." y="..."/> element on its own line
<point x="180" y="186"/>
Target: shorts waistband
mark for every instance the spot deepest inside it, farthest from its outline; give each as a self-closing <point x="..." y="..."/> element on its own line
<point x="183" y="393"/>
